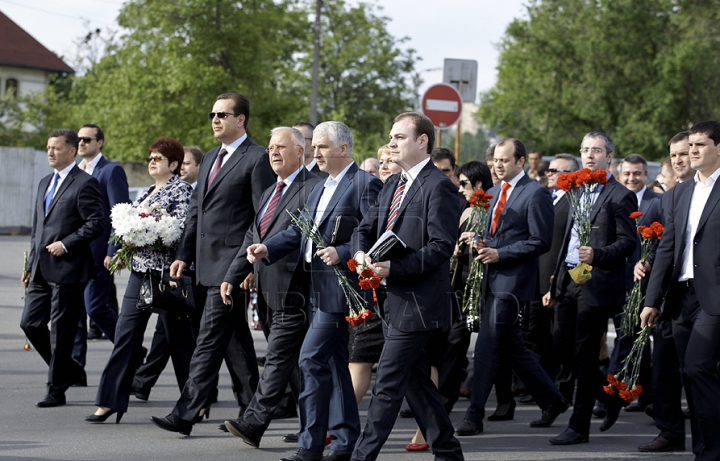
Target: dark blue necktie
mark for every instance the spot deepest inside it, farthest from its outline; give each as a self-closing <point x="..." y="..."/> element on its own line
<point x="49" y="196"/>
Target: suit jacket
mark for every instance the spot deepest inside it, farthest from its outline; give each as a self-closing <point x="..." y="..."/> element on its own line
<point x="75" y="218"/>
<point x="280" y="283"/>
<point x="612" y="238"/>
<point x="706" y="251"/>
<point x="418" y="288"/>
<point x="651" y="208"/>
<point x="354" y="196"/>
<point x="114" y="190"/>
<point x="524" y="232"/>
<point x="317" y="172"/>
<point x="220" y="215"/>
<point x="547" y="261"/>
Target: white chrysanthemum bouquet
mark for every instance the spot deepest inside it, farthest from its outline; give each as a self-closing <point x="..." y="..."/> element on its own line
<point x="140" y="225"/>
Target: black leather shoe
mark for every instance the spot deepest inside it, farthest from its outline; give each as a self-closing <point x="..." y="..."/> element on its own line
<point x="660" y="445"/>
<point x="336" y="455"/>
<point x="504" y="412"/>
<point x="290" y="438"/>
<point x="599" y="410"/>
<point x="650" y="411"/>
<point x="222" y="427"/>
<point x="636" y="407"/>
<point x="243" y="430"/>
<point x="304" y="455"/>
<point x="550" y="414"/>
<point x="50" y="401"/>
<point x="173" y="424"/>
<point x="613" y="411"/>
<point x="467" y="427"/>
<point x="569" y="437"/>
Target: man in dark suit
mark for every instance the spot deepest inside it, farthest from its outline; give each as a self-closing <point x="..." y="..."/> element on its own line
<point x="634" y="175"/>
<point x="666" y="406"/>
<point x="327" y="400"/>
<point x="519" y="229"/>
<point x="584" y="309"/>
<point x="282" y="287"/>
<point x="310" y="164"/>
<point x="685" y="271"/>
<point x="114" y="189"/>
<point x="68" y="217"/>
<point x="231" y="181"/>
<point x="419" y="206"/>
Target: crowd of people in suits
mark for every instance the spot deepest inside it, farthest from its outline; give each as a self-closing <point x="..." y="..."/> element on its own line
<point x="540" y="330"/>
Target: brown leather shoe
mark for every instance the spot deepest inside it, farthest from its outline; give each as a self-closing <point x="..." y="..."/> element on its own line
<point x="661" y="444"/>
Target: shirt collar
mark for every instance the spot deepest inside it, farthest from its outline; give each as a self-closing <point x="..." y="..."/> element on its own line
<point x="513" y="182"/>
<point x="65" y="171"/>
<point x="291" y="178"/>
<point x="336" y="180"/>
<point x="711" y="180"/>
<point x="641" y="193"/>
<point x="232" y="147"/>
<point x="90" y="166"/>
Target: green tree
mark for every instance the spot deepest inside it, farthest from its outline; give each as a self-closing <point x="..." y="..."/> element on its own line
<point x="472" y="146"/>
<point x="622" y="67"/>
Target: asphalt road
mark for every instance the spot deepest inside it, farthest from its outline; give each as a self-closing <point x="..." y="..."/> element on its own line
<point x="31" y="433"/>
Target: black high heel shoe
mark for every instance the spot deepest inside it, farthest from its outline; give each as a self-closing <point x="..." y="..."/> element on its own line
<point x="206" y="415"/>
<point x="102" y="418"/>
<point x="504" y="412"/>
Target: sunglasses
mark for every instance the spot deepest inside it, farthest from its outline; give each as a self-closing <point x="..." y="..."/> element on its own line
<point x="555" y="170"/>
<point x="85" y="139"/>
<point x="220" y="115"/>
<point x="156" y="159"/>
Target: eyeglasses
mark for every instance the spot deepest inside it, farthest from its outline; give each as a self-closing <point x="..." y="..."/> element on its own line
<point x="220" y="115"/>
<point x="463" y="182"/>
<point x="86" y="139"/>
<point x="594" y="150"/>
<point x="555" y="170"/>
<point x="156" y="159"/>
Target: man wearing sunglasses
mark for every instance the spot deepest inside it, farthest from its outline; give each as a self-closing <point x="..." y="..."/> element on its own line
<point x="231" y="181"/>
<point x="114" y="189"/>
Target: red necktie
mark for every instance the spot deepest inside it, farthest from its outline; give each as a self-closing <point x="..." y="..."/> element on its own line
<point x="500" y="206"/>
<point x="395" y="204"/>
<point x="270" y="211"/>
<point x="216" y="166"/>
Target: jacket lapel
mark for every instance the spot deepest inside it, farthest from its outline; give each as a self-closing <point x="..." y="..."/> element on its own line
<point x="709" y="206"/>
<point x="237" y="156"/>
<point x="339" y="192"/>
<point x="683" y="207"/>
<point x="63" y="187"/>
<point x="602" y="196"/>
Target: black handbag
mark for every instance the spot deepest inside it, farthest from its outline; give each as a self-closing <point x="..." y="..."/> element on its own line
<point x="161" y="294"/>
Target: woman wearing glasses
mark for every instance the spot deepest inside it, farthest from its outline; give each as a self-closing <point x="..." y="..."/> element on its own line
<point x="171" y="194"/>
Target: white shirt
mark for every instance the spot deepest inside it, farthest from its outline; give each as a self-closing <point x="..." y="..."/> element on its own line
<point x="558" y="195"/>
<point x="90" y="167"/>
<point x="640" y="195"/>
<point x="700" y="196"/>
<point x="513" y="182"/>
<point x="232" y="148"/>
<point x="63" y="174"/>
<point x="329" y="189"/>
<point x="287" y="182"/>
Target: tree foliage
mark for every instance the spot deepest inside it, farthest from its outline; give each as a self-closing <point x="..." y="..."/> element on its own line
<point x="639" y="70"/>
<point x="161" y="76"/>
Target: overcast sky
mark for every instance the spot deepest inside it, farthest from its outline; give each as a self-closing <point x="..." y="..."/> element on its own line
<point x="459" y="29"/>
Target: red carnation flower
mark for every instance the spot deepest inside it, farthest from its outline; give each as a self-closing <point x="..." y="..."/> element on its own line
<point x="352" y="265"/>
<point x="636" y="215"/>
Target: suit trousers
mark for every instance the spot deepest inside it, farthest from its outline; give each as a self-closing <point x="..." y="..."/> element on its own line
<point x="59" y="304"/>
<point x="667" y="383"/>
<point x="98" y="309"/>
<point x="327" y="400"/>
<point x="116" y="380"/>
<point x="580" y="328"/>
<point x="500" y="341"/>
<point x="697" y="339"/>
<point x="287" y="332"/>
<point x="149" y="372"/>
<point x="403" y="371"/>
<point x="224" y="332"/>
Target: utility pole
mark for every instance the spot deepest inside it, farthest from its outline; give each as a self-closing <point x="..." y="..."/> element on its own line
<point x="316" y="65"/>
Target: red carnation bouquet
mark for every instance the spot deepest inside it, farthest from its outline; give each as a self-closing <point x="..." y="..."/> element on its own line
<point x="649" y="236"/>
<point x="477" y="222"/>
<point x="579" y="186"/>
<point x="367" y="281"/>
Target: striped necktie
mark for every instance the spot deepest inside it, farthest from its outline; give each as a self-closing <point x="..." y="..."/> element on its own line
<point x="270" y="211"/>
<point x="395" y="204"/>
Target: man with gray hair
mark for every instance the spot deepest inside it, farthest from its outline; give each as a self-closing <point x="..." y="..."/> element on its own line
<point x="282" y="293"/>
<point x="327" y="400"/>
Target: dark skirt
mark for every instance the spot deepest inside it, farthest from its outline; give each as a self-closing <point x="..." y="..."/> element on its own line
<point x="366" y="341"/>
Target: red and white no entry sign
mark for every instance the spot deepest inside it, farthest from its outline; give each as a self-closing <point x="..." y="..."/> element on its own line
<point x="442" y="104"/>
